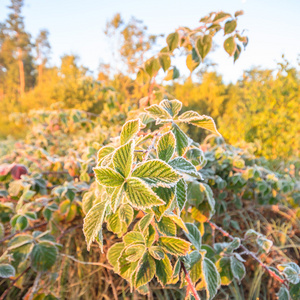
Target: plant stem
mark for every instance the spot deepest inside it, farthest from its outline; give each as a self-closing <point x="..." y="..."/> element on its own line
<point x="248" y="252"/>
<point x="12" y="284"/>
<point x="189" y="281"/>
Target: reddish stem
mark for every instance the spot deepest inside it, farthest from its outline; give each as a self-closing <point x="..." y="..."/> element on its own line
<point x="189" y="281"/>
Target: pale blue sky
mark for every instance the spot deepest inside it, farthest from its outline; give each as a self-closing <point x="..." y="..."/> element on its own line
<point x="76" y="26"/>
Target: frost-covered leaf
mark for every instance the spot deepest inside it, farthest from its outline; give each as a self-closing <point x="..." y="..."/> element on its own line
<point x="164" y="270"/>
<point x="166" y="146"/>
<point x="114" y="223"/>
<point x="87" y="201"/>
<point x="123" y="158"/>
<point x="167" y="195"/>
<point x="166" y="226"/>
<point x="126" y="213"/>
<point x="181" y="194"/>
<point x="173" y="107"/>
<point x="291" y="272"/>
<point x="182" y="140"/>
<point x="209" y="196"/>
<point x="237" y="268"/>
<point x="235" y="244"/>
<point x="133" y="237"/>
<point x="211" y="278"/>
<point x="129" y="130"/>
<point x="224" y="268"/>
<point x="195" y="155"/>
<point x="146" y="270"/>
<point x="182" y="165"/>
<point x="43" y="256"/>
<point x="116" y="197"/>
<point x="103" y="152"/>
<point x="283" y="294"/>
<point x="264" y="243"/>
<point x="194" y="118"/>
<point x="157" y="252"/>
<point x="113" y="254"/>
<point x="177" y="220"/>
<point x="174" y="245"/>
<point x="156" y="172"/>
<point x="135" y="252"/>
<point x="157" y="112"/>
<point x="139" y="195"/>
<point x="145" y="221"/>
<point x="193" y="235"/>
<point x="7" y="271"/>
<point x="92" y="223"/>
<point x="108" y="177"/>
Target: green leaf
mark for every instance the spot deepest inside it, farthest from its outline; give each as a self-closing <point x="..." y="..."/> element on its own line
<point x="92" y="223"/>
<point x="114" y="223"/>
<point x="166" y="226"/>
<point x="116" y="197"/>
<point x="292" y="275"/>
<point x="176" y="73"/>
<point x="104" y="152"/>
<point x="123" y="158"/>
<point x="175" y="245"/>
<point x="203" y="45"/>
<point x="177" y="220"/>
<point x="203" y="121"/>
<point x="146" y="270"/>
<point x="126" y="214"/>
<point x="108" y="177"/>
<point x="230" y="26"/>
<point x="224" y="268"/>
<point x="237" y="268"/>
<point x="239" y="13"/>
<point x="149" y="234"/>
<point x="173" y="107"/>
<point x="7" y="271"/>
<point x="165" y="61"/>
<point x="230" y="45"/>
<point x="133" y="237"/>
<point x="264" y="243"/>
<point x="129" y="130"/>
<point x="152" y="66"/>
<point x="182" y="141"/>
<point x="193" y="235"/>
<point x="195" y="155"/>
<point x="135" y="252"/>
<point x="209" y="196"/>
<point x="182" y="165"/>
<point x="172" y="41"/>
<point x="114" y="253"/>
<point x="156" y="173"/>
<point x="43" y="256"/>
<point x="156" y="111"/>
<point x="164" y="270"/>
<point x="166" y="146"/>
<point x="181" y="194"/>
<point x="139" y="195"/>
<point x="157" y="252"/>
<point x="237" y="52"/>
<point x="211" y="278"/>
<point x="235" y="244"/>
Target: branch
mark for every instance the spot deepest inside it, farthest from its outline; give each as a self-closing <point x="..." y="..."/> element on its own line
<point x="189" y="281"/>
<point x="21" y="231"/>
<point x="248" y="252"/>
<point x="12" y="283"/>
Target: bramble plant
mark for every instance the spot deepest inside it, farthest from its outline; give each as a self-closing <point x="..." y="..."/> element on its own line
<point x="141" y="194"/>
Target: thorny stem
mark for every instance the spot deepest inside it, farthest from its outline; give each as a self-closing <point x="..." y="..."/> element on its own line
<point x="12" y="284"/>
<point x="248" y="252"/>
<point x="189" y="281"/>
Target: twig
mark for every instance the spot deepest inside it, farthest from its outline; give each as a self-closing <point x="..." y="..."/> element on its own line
<point x="12" y="284"/>
<point x="248" y="252"/>
<point x="87" y="262"/>
<point x="21" y="231"/>
<point x="68" y="230"/>
<point x="189" y="281"/>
